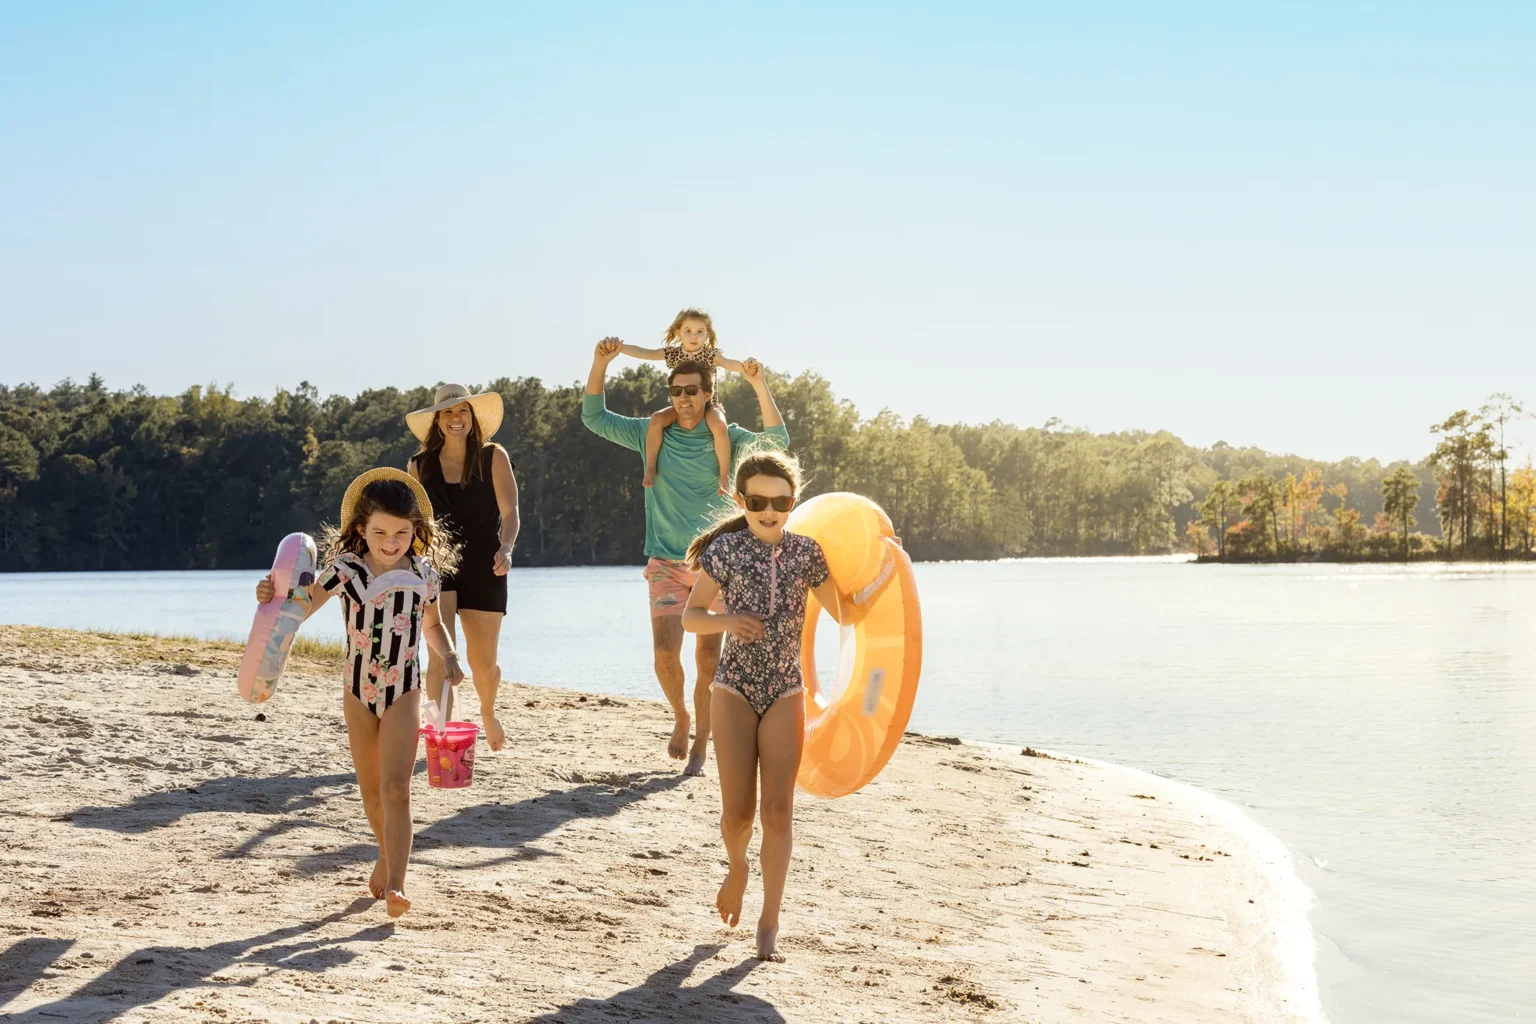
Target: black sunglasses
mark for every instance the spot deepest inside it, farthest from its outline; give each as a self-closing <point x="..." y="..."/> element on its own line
<point x="759" y="502"/>
<point x="677" y="390"/>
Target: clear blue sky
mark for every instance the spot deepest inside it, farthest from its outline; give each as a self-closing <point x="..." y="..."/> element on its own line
<point x="1309" y="227"/>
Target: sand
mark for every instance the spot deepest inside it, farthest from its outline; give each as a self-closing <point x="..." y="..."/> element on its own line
<point x="172" y="854"/>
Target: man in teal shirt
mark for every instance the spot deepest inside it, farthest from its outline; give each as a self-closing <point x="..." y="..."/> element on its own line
<point x="680" y="506"/>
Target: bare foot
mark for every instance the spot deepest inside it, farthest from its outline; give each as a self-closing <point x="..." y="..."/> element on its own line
<point x="649" y="480"/>
<point x="696" y="758"/>
<point x="768" y="945"/>
<point x="728" y="900"/>
<point x="725" y="486"/>
<point x="397" y="903"/>
<point x="376" y="880"/>
<point x="495" y="735"/>
<point x="677" y="747"/>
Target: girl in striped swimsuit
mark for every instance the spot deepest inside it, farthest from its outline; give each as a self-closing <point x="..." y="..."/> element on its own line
<point x="384" y="561"/>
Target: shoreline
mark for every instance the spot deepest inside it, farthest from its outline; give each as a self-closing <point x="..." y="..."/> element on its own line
<point x="1290" y="977"/>
<point x="183" y="859"/>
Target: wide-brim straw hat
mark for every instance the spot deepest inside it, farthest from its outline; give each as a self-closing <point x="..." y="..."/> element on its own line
<point x="487" y="406"/>
<point x="355" y="493"/>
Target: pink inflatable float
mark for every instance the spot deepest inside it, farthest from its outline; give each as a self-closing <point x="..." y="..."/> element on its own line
<point x="277" y="621"/>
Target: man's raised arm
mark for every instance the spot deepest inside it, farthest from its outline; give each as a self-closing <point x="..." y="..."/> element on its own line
<point x="773" y="431"/>
<point x="753" y="371"/>
<point x="607" y="350"/>
<point x="624" y="430"/>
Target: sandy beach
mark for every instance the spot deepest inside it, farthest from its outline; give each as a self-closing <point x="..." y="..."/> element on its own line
<point x="173" y="854"/>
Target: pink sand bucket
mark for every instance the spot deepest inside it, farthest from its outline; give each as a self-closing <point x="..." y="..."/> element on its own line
<point x="450" y="745"/>
<point x="451" y="754"/>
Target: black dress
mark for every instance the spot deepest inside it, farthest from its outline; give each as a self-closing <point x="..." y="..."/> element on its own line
<point x="472" y="517"/>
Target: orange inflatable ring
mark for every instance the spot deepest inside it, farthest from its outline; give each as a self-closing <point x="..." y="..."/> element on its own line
<point x="852" y="732"/>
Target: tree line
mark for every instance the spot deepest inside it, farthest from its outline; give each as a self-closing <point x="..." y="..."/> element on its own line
<point x="99" y="479"/>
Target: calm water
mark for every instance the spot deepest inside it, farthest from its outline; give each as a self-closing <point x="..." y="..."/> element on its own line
<point x="1382" y="722"/>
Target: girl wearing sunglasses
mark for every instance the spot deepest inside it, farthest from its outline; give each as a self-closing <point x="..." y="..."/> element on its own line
<point x="764" y="572"/>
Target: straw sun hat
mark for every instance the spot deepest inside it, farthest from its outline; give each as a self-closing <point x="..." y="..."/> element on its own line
<point x="355" y="492"/>
<point x="487" y="409"/>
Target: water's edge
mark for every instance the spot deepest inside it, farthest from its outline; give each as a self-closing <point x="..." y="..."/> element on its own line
<point x="1294" y="943"/>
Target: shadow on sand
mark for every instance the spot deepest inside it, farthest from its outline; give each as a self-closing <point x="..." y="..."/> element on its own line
<point x="513" y="828"/>
<point x="274" y="794"/>
<point x="151" y="973"/>
<point x="663" y="997"/>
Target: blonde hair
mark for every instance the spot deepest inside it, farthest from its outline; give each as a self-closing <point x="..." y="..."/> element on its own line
<point x="691" y="313"/>
<point x="761" y="462"/>
<point x="394" y="498"/>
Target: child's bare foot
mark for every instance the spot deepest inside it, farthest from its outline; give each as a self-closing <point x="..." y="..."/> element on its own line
<point x="377" y="879"/>
<point x="396" y="902"/>
<point x="725" y="486"/>
<point x="649" y="480"/>
<point x="728" y="900"/>
<point x="677" y="747"/>
<point x="495" y="735"/>
<point x="696" y="758"/>
<point x="768" y="945"/>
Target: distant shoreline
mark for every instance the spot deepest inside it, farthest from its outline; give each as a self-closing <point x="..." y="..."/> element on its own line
<point x="1343" y="559"/>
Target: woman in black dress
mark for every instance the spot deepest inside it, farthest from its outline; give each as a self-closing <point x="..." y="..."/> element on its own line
<point x="474" y="497"/>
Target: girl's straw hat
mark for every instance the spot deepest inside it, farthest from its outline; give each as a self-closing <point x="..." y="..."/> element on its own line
<point x="355" y="491"/>
<point x="487" y="409"/>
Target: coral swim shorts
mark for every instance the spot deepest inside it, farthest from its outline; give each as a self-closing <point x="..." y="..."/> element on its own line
<point x="670" y="583"/>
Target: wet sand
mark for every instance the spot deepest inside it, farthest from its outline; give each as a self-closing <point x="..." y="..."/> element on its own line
<point x="173" y="854"/>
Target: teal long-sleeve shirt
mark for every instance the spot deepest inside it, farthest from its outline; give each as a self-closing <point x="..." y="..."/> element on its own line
<point x="686" y="496"/>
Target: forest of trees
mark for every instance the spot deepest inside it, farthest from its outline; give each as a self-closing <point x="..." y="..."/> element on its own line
<point x="95" y="479"/>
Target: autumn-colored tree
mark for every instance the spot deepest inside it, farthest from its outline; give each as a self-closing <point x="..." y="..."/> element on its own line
<point x="1349" y="529"/>
<point x="1522" y="505"/>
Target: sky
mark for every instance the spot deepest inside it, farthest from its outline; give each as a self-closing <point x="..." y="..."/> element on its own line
<point x="1309" y="227"/>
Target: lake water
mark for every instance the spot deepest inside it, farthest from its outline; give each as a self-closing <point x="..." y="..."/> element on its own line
<point x="1380" y="721"/>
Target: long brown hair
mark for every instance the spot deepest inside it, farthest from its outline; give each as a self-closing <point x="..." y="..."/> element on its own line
<point x="691" y="313"/>
<point x="474" y="446"/>
<point x="394" y="498"/>
<point x="761" y="462"/>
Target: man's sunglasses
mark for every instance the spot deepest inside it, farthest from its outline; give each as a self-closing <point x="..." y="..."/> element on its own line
<point x="678" y="390"/>
<point x="759" y="502"/>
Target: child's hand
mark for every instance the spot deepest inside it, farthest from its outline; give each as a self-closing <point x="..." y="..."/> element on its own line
<point x="453" y="672"/>
<point x="746" y="626"/>
<point x="608" y="349"/>
<point x="265" y="590"/>
<point x="752" y="370"/>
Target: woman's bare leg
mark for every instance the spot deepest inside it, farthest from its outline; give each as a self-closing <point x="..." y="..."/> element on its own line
<point x="482" y="634"/>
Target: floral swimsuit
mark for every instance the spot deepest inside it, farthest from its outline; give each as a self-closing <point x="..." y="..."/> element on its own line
<point x="771" y="581"/>
<point x="383" y="619"/>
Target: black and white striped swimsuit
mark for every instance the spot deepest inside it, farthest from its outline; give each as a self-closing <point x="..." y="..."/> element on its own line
<point x="383" y="620"/>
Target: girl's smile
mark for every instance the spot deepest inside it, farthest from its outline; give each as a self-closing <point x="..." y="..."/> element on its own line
<point x="389" y="538"/>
